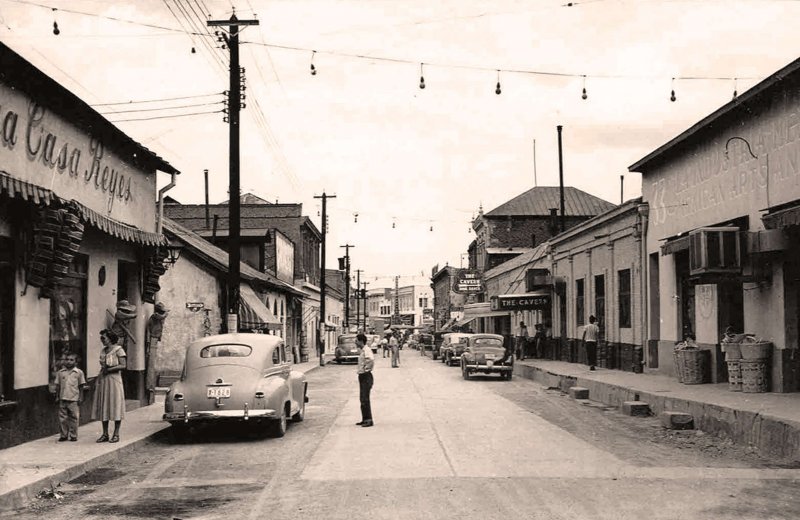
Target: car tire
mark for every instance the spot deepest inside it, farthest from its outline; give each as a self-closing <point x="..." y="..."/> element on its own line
<point x="301" y="414"/>
<point x="278" y="426"/>
<point x="435" y="356"/>
<point x="509" y="375"/>
<point x="464" y="372"/>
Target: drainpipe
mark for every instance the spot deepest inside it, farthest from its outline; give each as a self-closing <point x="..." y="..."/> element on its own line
<point x="644" y="213"/>
<point x="161" y="192"/>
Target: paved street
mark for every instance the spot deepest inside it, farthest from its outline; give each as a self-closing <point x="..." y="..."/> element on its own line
<point x="442" y="447"/>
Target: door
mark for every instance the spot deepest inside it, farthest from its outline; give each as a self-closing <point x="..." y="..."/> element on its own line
<point x="6" y="319"/>
<point x="68" y="316"/>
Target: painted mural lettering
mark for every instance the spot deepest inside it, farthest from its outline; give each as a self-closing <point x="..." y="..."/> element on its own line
<point x="9" y="138"/>
<point x="105" y="178"/>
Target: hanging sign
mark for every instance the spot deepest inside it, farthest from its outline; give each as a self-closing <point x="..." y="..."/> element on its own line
<point x="519" y="302"/>
<point x="468" y="281"/>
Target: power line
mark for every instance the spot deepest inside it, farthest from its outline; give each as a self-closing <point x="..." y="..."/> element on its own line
<point x="164" y="108"/>
<point x="167" y="117"/>
<point x="131" y="102"/>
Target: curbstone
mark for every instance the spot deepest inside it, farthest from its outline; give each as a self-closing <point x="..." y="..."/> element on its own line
<point x="676" y="420"/>
<point x="579" y="392"/>
<point x="636" y="408"/>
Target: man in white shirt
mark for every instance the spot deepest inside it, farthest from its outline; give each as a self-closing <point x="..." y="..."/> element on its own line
<point x="366" y="361"/>
<point x="590" y="335"/>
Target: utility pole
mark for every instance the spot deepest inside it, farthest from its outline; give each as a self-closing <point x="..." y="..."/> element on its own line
<point x="365" y="303"/>
<point x="358" y="296"/>
<point x="322" y="291"/>
<point x="347" y="285"/>
<point x="561" y="178"/>
<point x="234" y="107"/>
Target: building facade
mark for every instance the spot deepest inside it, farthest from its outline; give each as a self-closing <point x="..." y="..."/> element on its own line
<point x="722" y="242"/>
<point x="79" y="238"/>
<point x="448" y="305"/>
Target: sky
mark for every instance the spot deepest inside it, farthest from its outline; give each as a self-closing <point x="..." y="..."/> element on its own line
<point x="409" y="167"/>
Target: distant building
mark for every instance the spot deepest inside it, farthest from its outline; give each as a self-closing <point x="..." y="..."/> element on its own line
<point x="448" y="305"/>
<point x="527" y="220"/>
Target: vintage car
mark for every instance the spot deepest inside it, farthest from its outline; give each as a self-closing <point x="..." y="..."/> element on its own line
<point x="238" y="377"/>
<point x="425" y="344"/>
<point x="346" y="349"/>
<point x="486" y="354"/>
<point x="453" y="345"/>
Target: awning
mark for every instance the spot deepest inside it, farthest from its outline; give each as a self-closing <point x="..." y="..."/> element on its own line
<point x="253" y="314"/>
<point x="449" y="323"/>
<point x="117" y="228"/>
<point x="479" y="310"/>
<point x="674" y="245"/>
<point x="25" y="190"/>
<point x="783" y="218"/>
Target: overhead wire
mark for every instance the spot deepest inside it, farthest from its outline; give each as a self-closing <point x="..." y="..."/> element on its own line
<point x="178" y="98"/>
<point x="167" y="117"/>
<point x="154" y="109"/>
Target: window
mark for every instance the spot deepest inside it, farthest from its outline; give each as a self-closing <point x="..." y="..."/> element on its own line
<point x="214" y="351"/>
<point x="600" y="303"/>
<point x="423" y="302"/>
<point x="580" y="309"/>
<point x="624" y="298"/>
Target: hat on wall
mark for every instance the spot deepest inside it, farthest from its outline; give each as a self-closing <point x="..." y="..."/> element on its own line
<point x="125" y="310"/>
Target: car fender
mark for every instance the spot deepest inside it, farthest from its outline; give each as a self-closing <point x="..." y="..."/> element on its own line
<point x="169" y="402"/>
<point x="276" y="392"/>
<point x="297" y="384"/>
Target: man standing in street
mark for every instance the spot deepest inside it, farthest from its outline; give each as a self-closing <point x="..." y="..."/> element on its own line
<point x="522" y="340"/>
<point x="366" y="361"/>
<point x="394" y="346"/>
<point x="590" y="334"/>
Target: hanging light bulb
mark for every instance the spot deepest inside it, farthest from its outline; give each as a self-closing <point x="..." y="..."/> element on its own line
<point x="194" y="51"/>
<point x="318" y="214"/>
<point x="431" y="228"/>
<point x="355" y="217"/>
<point x="56" y="30"/>
<point x="584" y="95"/>
<point x="393" y="225"/>
<point x="672" y="96"/>
<point x="735" y="90"/>
<point x="497" y="90"/>
<point x="313" y="68"/>
<point x="421" y="77"/>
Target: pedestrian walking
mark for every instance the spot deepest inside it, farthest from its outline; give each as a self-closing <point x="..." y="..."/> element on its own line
<point x="384" y="346"/>
<point x="70" y="382"/>
<point x="366" y="362"/>
<point x="394" y="346"/>
<point x="109" y="394"/>
<point x="590" y="334"/>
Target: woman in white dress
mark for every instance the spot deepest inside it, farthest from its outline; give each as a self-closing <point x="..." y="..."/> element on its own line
<point x="109" y="394"/>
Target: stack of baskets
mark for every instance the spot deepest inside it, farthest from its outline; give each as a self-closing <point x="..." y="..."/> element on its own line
<point x="691" y="363"/>
<point x="748" y="358"/>
<point x="733" y="355"/>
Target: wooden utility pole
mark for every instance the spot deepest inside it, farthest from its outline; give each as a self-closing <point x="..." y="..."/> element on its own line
<point x="347" y="285"/>
<point x="365" y="304"/>
<point x="234" y="107"/>
<point x="561" y="179"/>
<point x="322" y="291"/>
<point x="358" y="296"/>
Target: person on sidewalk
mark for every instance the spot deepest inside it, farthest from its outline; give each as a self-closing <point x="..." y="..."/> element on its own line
<point x="152" y="338"/>
<point x="70" y="383"/>
<point x="522" y="340"/>
<point x="590" y="335"/>
<point x="109" y="394"/>
<point x="394" y="346"/>
<point x="366" y="362"/>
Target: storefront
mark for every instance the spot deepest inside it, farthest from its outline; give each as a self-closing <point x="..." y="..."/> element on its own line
<point x="719" y="247"/>
<point x="79" y="239"/>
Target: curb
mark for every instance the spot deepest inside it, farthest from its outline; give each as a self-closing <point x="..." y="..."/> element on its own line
<point x="772" y="436"/>
<point x="24" y="495"/>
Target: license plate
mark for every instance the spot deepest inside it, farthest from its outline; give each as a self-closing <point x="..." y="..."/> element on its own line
<point x="489" y="356"/>
<point x="489" y="363"/>
<point x="218" y="392"/>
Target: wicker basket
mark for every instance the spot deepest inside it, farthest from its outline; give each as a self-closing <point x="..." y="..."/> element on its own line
<point x="694" y="366"/>
<point x="754" y="376"/>
<point x="677" y="354"/>
<point x="753" y="351"/>
<point x="734" y="376"/>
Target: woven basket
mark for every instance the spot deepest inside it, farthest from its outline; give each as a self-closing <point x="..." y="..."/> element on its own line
<point x="679" y="363"/>
<point x="754" y="376"/>
<point x="734" y="376"/>
<point x="694" y="366"/>
<point x="759" y="350"/>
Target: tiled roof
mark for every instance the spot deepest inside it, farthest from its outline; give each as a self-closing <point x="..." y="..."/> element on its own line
<point x="218" y="258"/>
<point x="538" y="201"/>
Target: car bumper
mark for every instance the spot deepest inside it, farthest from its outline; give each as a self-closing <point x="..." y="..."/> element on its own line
<point x="489" y="369"/>
<point x="219" y="415"/>
<point x="347" y="357"/>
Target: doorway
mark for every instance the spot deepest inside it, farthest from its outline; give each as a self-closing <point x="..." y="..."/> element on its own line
<point x="6" y="319"/>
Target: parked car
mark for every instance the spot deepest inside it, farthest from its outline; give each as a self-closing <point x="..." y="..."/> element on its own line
<point x="425" y="344"/>
<point x="238" y="377"/>
<point x="485" y="353"/>
<point x="346" y="349"/>
<point x="453" y="345"/>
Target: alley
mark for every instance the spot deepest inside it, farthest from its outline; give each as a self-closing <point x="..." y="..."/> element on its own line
<point x="442" y="447"/>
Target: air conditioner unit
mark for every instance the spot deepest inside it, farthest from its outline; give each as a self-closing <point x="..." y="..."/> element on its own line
<point x="715" y="250"/>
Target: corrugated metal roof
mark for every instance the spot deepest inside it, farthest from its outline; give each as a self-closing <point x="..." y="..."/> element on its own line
<point x="538" y="201"/>
<point x="219" y="258"/>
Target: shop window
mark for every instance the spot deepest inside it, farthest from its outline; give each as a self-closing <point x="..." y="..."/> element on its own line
<point x="624" y="298"/>
<point x="68" y="316"/>
<point x="6" y="319"/>
<point x="580" y="309"/>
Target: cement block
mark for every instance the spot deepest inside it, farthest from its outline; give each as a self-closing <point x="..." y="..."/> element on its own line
<point x="636" y="408"/>
<point x="677" y="420"/>
<point x="579" y="392"/>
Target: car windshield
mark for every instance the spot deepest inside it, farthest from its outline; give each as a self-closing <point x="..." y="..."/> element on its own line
<point x="214" y="351"/>
<point x="347" y="341"/>
<point x="487" y="343"/>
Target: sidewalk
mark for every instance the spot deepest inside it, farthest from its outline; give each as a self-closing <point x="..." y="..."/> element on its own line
<point x="27" y="469"/>
<point x="768" y="421"/>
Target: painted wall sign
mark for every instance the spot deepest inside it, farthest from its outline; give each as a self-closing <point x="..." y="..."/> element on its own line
<point x="468" y="281"/>
<point x="195" y="306"/>
<point x="519" y="303"/>
<point x="37" y="145"/>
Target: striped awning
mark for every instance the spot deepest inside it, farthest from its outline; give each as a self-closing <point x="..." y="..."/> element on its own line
<point x="117" y="228"/>
<point x="253" y="314"/>
<point x="25" y="190"/>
